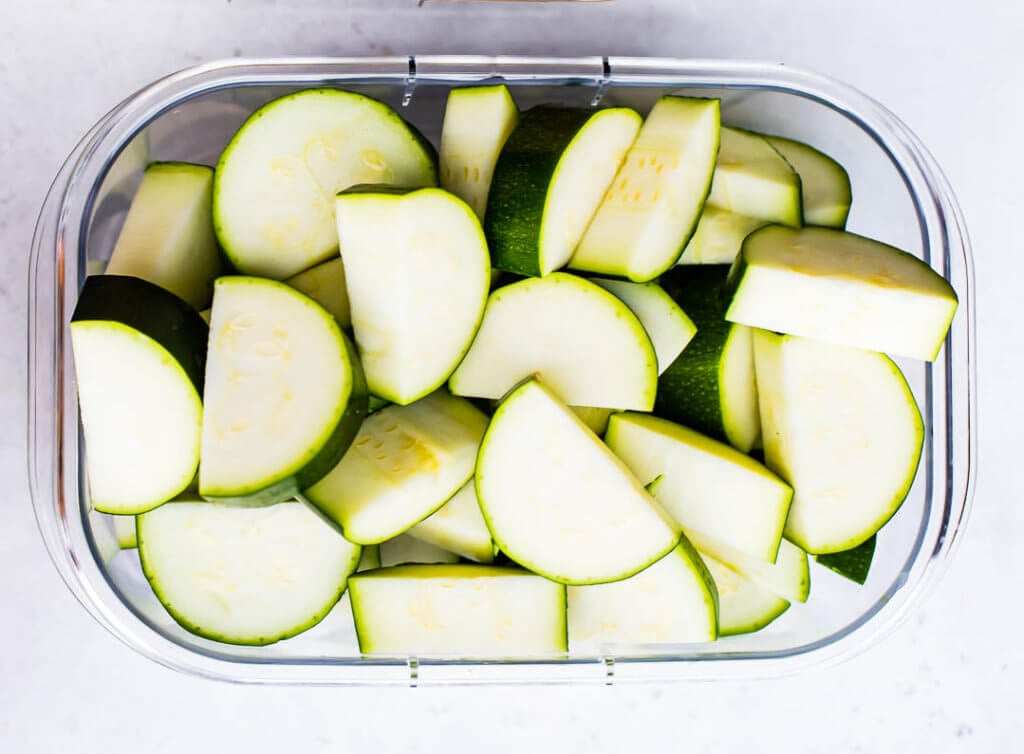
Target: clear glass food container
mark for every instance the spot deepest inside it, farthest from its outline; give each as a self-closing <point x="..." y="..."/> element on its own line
<point x="900" y="196"/>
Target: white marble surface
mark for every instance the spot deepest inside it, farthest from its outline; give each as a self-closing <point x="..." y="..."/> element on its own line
<point x="948" y="680"/>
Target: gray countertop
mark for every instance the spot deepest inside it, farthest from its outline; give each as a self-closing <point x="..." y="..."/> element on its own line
<point x="949" y="679"/>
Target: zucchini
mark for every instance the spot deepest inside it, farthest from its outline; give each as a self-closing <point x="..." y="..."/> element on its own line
<point x="583" y="342"/>
<point x="789" y="576"/>
<point x="853" y="564"/>
<point x="596" y="419"/>
<point x="549" y="181"/>
<point x="706" y="486"/>
<point x="406" y="462"/>
<point x="244" y="575"/>
<point x="710" y="387"/>
<point x="842" y="427"/>
<point x="477" y="122"/>
<point x="651" y="209"/>
<point x="668" y="326"/>
<point x="139" y="355"/>
<point x="370" y="558"/>
<point x="284" y="396"/>
<point x="743" y="606"/>
<point x="405" y="549"/>
<point x="326" y="285"/>
<point x="418" y="276"/>
<point x="464" y="611"/>
<point x="275" y="183"/>
<point x="838" y="287"/>
<point x="674" y="600"/>
<point x="458" y="526"/>
<point x="753" y="179"/>
<point x="824" y="183"/>
<point x="168" y="236"/>
<point x="719" y="236"/>
<point x="556" y="499"/>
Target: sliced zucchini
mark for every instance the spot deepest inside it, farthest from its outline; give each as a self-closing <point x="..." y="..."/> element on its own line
<point x="753" y="179"/>
<point x="825" y="185"/>
<point x="418" y="276"/>
<point x="651" y="209"/>
<point x="468" y="611"/>
<point x="582" y="341"/>
<point x="549" y="181"/>
<point x="326" y="285"/>
<point x="244" y="575"/>
<point x="706" y="486"/>
<point x="124" y="530"/>
<point x="168" y="236"/>
<point x="139" y="354"/>
<point x="284" y="396"/>
<point x="596" y="419"/>
<point x="719" y="236"/>
<point x="851" y="564"/>
<point x="674" y="600"/>
<point x="840" y="288"/>
<point x="558" y="501"/>
<point x="711" y="386"/>
<point x="406" y="462"/>
<point x="743" y="606"/>
<point x="477" y="122"/>
<point x="370" y="558"/>
<point x="458" y="526"/>
<point x="842" y="427"/>
<point x="668" y="326"/>
<point x="274" y="188"/>
<point x="404" y="549"/>
<point x="789" y="576"/>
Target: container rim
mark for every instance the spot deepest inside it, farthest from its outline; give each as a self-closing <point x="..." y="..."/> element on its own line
<point x="53" y="264"/>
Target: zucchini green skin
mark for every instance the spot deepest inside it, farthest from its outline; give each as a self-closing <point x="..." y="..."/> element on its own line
<point x="689" y="391"/>
<point x="519" y="189"/>
<point x="853" y="564"/>
<point x="152" y="311"/>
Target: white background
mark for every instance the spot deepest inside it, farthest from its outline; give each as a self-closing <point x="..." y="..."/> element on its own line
<point x="950" y="679"/>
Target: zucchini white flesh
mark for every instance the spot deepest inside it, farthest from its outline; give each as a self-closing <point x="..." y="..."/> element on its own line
<point x="582" y="341"/>
<point x="549" y="180"/>
<point x="458" y="526"/>
<point x="326" y="285"/>
<point x="652" y="207"/>
<point x="674" y="600"/>
<point x="789" y="576"/>
<point x="168" y="236"/>
<point x="743" y="606"/>
<point x="403" y="549"/>
<point x="753" y="179"/>
<point x="668" y="326"/>
<point x="124" y="530"/>
<point x="711" y="386"/>
<point x="825" y="185"/>
<point x="840" y="288"/>
<point x="284" y="393"/>
<point x="842" y="427"/>
<point x="707" y="486"/>
<point x="719" y="236"/>
<point x="139" y="354"/>
<point x="469" y="611"/>
<point x="370" y="558"/>
<point x="244" y="575"/>
<point x="596" y="419"/>
<point x="273" y="194"/>
<point x="406" y="462"/>
<point x="477" y="122"/>
<point x="418" y="275"/>
<point x="558" y="501"/>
